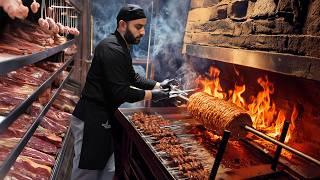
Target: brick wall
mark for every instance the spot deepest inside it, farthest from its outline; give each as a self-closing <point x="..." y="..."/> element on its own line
<point x="285" y="26"/>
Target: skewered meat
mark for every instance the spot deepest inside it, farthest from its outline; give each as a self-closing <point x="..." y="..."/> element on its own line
<point x="35" y="6"/>
<point x="14" y="8"/>
<point x="217" y="114"/>
<point x="168" y="144"/>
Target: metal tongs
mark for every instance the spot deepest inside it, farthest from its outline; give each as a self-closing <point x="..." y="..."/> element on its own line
<point x="176" y="92"/>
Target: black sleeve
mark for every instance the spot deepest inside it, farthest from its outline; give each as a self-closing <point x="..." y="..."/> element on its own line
<point x="141" y="82"/>
<point x="116" y="69"/>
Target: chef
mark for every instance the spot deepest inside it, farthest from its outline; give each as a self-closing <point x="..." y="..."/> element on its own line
<point x="110" y="82"/>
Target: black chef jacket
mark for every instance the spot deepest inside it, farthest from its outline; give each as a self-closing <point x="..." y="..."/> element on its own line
<point x="107" y="86"/>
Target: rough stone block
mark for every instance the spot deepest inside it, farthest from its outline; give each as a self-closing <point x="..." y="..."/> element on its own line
<point x="225" y="26"/>
<point x="208" y="3"/>
<point x="222" y="11"/>
<point x="265" y="42"/>
<point x="237" y="29"/>
<point x="243" y="28"/>
<point x="247" y="27"/>
<point x="250" y="8"/>
<point x="238" y="9"/>
<point x="190" y="26"/>
<point x="304" y="45"/>
<point x="277" y="26"/>
<point x="285" y="5"/>
<point x="293" y="10"/>
<point x="196" y="4"/>
<point x="312" y="24"/>
<point x="263" y="9"/>
<point x="214" y="13"/>
<point x="201" y="38"/>
<point x="199" y="15"/>
<point x="187" y="38"/>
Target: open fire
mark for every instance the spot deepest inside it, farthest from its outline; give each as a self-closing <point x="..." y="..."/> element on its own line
<point x="265" y="114"/>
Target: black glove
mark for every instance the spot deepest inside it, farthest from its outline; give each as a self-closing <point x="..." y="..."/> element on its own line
<point x="159" y="94"/>
<point x="166" y="84"/>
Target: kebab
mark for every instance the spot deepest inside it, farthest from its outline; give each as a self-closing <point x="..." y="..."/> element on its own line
<point x="168" y="146"/>
<point x="218" y="114"/>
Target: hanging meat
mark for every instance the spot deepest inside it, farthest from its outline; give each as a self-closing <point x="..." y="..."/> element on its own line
<point x="61" y="28"/>
<point x="44" y="25"/>
<point x="66" y="29"/>
<point x="53" y="27"/>
<point x="50" y="11"/>
<point x="74" y="31"/>
<point x="14" y="8"/>
<point x="218" y="115"/>
<point x="35" y="6"/>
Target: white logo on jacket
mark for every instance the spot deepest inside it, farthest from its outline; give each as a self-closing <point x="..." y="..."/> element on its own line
<point x="106" y="125"/>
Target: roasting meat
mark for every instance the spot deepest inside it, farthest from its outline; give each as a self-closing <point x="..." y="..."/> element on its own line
<point x="218" y="115"/>
<point x="167" y="143"/>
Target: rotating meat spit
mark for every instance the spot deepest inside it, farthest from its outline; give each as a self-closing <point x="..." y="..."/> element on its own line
<point x="250" y="129"/>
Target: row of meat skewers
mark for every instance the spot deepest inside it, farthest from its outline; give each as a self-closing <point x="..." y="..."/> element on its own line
<point x="167" y="145"/>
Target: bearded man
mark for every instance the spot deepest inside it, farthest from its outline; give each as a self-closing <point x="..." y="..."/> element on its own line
<point x="109" y="83"/>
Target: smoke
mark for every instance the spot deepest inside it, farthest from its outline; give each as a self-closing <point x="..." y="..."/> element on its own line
<point x="168" y="38"/>
<point x="104" y="18"/>
<point x="168" y="26"/>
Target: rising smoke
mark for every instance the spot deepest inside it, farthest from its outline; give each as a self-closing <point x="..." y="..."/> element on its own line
<point x="167" y="27"/>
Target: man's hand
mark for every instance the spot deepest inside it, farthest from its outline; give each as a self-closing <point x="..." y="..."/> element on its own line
<point x="166" y="84"/>
<point x="159" y="94"/>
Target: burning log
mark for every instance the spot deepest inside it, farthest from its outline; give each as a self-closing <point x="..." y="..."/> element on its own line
<point x="217" y="114"/>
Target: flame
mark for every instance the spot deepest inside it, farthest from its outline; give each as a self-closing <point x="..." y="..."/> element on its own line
<point x="212" y="86"/>
<point x="263" y="111"/>
<point x="236" y="95"/>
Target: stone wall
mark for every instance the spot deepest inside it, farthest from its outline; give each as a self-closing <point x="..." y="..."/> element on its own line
<point x="285" y="26"/>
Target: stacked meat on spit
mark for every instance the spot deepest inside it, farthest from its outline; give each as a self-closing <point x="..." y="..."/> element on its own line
<point x="168" y="146"/>
<point x="218" y="115"/>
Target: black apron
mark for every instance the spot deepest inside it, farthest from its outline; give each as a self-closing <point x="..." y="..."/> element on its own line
<point x="97" y="144"/>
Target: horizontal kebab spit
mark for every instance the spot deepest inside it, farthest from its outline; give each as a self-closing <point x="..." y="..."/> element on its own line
<point x="219" y="115"/>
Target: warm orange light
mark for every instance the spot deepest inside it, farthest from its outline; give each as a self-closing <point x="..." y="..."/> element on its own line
<point x="236" y="96"/>
<point x="265" y="115"/>
<point x="212" y="85"/>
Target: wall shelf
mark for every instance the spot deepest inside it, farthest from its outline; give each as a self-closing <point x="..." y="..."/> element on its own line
<point x="11" y="63"/>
